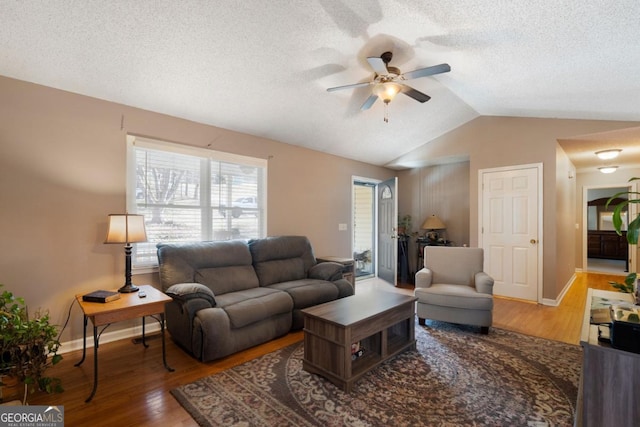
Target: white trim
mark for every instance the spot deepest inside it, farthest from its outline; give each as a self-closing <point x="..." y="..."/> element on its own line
<point x="556" y="302"/>
<point x="540" y="231"/>
<point x="107" y="337"/>
<point x="354" y="178"/>
<point x="189" y="150"/>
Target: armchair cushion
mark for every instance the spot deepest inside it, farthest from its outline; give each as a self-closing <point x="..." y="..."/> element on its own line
<point x="454" y="296"/>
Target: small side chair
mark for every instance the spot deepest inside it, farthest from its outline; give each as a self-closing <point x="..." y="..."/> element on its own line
<point x="452" y="287"/>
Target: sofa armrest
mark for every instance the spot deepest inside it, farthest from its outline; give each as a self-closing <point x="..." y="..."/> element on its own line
<point x="424" y="278"/>
<point x="484" y="283"/>
<point x="183" y="292"/>
<point x="330" y="271"/>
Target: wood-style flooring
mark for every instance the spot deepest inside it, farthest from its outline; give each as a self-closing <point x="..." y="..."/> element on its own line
<point x="134" y="386"/>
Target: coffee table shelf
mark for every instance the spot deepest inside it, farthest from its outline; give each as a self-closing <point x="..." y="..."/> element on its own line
<point x="382" y="322"/>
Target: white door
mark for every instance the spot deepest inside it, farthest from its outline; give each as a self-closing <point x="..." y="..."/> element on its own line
<point x="510" y="229"/>
<point x="387" y="225"/>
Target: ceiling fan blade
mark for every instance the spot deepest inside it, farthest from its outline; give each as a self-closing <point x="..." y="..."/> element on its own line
<point x="353" y="86"/>
<point x="415" y="94"/>
<point x="428" y="71"/>
<point x="378" y="65"/>
<point x="369" y="102"/>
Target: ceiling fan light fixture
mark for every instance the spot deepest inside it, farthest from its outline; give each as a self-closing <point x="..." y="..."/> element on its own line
<point x="386" y="91"/>
<point x="608" y="154"/>
<point x="608" y="169"/>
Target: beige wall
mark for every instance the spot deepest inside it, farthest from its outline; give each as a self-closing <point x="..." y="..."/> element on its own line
<point x="490" y="142"/>
<point x="62" y="171"/>
<point x="441" y="190"/>
<point x="564" y="223"/>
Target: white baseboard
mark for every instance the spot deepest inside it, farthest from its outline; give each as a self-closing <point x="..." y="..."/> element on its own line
<point x="556" y="302"/>
<point x="107" y="337"/>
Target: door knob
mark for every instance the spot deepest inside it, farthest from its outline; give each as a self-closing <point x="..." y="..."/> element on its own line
<point x="533" y="241"/>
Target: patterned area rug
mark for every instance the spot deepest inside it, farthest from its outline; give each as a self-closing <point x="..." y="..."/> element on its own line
<point x="456" y="377"/>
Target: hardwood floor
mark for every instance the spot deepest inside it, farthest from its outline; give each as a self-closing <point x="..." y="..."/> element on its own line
<point x="134" y="386"/>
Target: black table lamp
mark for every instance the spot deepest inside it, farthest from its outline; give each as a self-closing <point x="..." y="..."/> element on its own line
<point x="127" y="229"/>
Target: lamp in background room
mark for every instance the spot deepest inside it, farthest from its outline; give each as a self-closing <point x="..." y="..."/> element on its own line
<point x="127" y="229"/>
<point x="432" y="224"/>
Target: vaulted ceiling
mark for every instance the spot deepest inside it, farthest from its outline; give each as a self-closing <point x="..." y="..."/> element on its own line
<point x="263" y="67"/>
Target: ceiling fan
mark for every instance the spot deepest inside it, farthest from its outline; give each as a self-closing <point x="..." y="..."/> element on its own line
<point x="388" y="81"/>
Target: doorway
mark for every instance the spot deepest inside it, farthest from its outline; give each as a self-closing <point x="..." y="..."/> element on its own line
<point x="375" y="212"/>
<point x="364" y="209"/>
<point x="603" y="250"/>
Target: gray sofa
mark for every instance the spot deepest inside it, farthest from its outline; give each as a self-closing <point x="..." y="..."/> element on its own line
<point x="231" y="295"/>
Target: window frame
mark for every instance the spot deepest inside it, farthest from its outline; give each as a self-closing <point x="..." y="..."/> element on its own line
<point x="205" y="207"/>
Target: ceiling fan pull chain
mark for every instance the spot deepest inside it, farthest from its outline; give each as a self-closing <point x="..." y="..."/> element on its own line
<point x="386" y="112"/>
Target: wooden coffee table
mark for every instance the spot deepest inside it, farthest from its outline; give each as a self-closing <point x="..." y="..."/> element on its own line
<point x="344" y="339"/>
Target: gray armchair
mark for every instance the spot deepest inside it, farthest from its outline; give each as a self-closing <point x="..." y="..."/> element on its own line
<point x="453" y="288"/>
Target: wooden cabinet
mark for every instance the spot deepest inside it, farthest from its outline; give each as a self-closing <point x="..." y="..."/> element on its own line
<point x="608" y="393"/>
<point x="607" y="244"/>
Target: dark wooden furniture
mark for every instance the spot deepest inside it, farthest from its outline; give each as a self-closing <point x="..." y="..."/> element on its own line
<point x="607" y="244"/>
<point x="421" y="243"/>
<point x="380" y="323"/>
<point x="608" y="393"/>
<point x="129" y="306"/>
<point x="403" y="258"/>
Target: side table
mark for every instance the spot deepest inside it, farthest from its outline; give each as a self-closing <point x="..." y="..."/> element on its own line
<point x="128" y="306"/>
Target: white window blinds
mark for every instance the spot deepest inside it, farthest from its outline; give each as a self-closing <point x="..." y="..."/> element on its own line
<point x="193" y="194"/>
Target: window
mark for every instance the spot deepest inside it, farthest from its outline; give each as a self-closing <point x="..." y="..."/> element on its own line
<point x="193" y="194"/>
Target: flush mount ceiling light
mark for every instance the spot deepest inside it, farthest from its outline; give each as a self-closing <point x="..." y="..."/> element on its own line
<point x="608" y="154"/>
<point x="607" y="169"/>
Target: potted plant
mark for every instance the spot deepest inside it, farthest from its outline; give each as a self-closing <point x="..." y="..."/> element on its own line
<point x="404" y="225"/>
<point x="28" y="346"/>
<point x="633" y="231"/>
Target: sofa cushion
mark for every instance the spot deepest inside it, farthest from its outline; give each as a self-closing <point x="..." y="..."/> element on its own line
<point x="227" y="279"/>
<point x="279" y="248"/>
<point x="308" y="292"/>
<point x="326" y="271"/>
<point x="282" y="270"/>
<point x="179" y="262"/>
<point x="457" y="296"/>
<point x="254" y="305"/>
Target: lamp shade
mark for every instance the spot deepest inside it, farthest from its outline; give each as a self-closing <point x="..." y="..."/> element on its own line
<point x="433" y="223"/>
<point x="126" y="228"/>
<point x="386" y="91"/>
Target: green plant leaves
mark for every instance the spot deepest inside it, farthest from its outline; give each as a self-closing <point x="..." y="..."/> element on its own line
<point x="633" y="230"/>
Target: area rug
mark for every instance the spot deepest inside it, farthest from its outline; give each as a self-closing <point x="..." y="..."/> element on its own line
<point x="455" y="377"/>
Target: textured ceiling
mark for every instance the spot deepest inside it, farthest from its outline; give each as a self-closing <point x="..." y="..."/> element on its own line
<point x="263" y="67"/>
